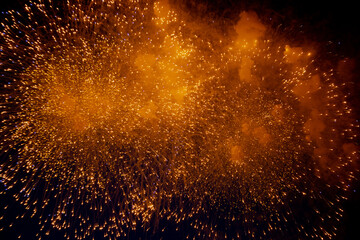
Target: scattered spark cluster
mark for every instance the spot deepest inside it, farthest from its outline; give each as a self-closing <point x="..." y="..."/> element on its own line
<point x="125" y="115"/>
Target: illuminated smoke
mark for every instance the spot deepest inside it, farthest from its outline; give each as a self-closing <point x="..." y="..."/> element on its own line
<point x="127" y="115"/>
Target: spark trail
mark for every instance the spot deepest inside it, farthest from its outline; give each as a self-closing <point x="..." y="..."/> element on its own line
<point x="127" y="115"/>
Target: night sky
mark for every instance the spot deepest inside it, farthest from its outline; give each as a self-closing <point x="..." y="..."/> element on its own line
<point x="331" y="25"/>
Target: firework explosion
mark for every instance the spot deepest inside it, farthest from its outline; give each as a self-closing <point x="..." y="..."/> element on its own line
<point x="122" y="117"/>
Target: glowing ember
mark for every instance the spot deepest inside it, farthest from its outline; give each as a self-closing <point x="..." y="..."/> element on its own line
<point x="120" y="116"/>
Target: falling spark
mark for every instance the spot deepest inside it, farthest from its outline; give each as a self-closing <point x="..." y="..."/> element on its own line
<point x="127" y="115"/>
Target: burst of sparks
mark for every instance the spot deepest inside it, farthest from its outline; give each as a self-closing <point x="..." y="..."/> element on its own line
<point x="127" y="115"/>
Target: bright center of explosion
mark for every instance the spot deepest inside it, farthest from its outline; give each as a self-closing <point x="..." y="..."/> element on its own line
<point x="137" y="113"/>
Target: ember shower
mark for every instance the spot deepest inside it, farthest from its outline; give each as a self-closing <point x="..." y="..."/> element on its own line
<point x="120" y="117"/>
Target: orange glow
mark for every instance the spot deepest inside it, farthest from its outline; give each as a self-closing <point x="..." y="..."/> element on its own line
<point x="128" y="115"/>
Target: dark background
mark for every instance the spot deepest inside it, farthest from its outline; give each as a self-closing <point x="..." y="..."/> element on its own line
<point x="332" y="25"/>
